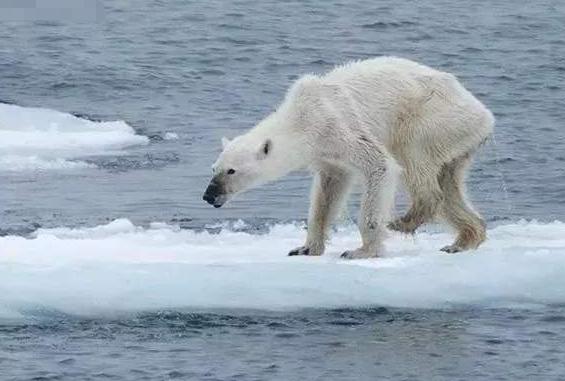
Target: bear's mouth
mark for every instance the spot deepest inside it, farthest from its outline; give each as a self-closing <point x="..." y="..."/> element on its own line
<point x="216" y="201"/>
<point x="220" y="200"/>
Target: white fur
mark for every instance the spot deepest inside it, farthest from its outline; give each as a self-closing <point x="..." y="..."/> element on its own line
<point x="366" y="119"/>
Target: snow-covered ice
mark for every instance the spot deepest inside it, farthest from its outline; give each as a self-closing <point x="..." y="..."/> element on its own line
<point x="45" y="139"/>
<point x="120" y="267"/>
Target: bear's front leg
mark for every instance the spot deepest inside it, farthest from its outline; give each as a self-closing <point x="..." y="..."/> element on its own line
<point x="378" y="199"/>
<point x="329" y="191"/>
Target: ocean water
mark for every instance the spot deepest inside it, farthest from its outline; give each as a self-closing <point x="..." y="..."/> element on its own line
<point x="112" y="267"/>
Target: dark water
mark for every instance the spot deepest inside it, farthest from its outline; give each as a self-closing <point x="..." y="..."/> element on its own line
<point x="361" y="344"/>
<point x="214" y="68"/>
<point x="208" y="69"/>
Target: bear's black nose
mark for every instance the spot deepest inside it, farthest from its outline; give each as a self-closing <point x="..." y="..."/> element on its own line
<point x="211" y="193"/>
<point x="208" y="198"/>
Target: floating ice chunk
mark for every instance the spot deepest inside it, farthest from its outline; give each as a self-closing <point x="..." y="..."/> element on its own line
<point x="122" y="267"/>
<point x="39" y="138"/>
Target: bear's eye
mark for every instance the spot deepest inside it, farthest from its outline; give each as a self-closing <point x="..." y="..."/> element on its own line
<point x="231" y="171"/>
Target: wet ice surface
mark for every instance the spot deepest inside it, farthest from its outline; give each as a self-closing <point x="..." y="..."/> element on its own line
<point x="120" y="267"/>
<point x="176" y="77"/>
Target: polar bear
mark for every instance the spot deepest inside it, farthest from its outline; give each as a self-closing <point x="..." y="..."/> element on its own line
<point x="377" y="120"/>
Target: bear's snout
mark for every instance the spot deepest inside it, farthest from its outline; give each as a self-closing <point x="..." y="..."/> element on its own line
<point x="212" y="193"/>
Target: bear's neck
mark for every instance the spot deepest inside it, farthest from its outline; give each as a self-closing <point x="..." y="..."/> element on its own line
<point x="289" y="152"/>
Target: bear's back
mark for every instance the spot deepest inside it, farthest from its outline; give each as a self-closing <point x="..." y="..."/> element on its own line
<point x="380" y="68"/>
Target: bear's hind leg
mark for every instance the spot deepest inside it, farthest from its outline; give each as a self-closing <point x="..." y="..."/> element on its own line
<point x="470" y="227"/>
<point x="329" y="192"/>
<point x="426" y="195"/>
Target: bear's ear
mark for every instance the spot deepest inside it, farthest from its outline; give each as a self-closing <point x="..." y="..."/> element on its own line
<point x="265" y="149"/>
<point x="225" y="142"/>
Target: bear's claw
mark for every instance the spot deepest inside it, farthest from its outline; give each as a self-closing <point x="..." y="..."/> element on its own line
<point x="345" y="255"/>
<point x="357" y="254"/>
<point x="299" y="251"/>
<point x="451" y="249"/>
<point x="401" y="226"/>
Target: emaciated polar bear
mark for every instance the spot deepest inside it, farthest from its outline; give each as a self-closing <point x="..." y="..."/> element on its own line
<point x="370" y="119"/>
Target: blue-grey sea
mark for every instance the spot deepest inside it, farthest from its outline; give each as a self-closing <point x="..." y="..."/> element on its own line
<point x="183" y="74"/>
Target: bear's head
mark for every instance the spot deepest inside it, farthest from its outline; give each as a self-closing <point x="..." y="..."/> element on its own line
<point x="243" y="164"/>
